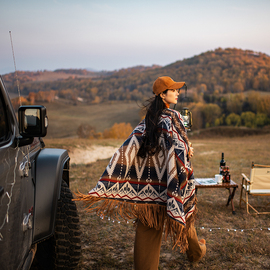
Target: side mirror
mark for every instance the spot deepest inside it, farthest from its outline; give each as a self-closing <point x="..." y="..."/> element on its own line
<point x="33" y="121"/>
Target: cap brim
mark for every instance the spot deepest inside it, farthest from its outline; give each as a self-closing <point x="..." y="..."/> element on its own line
<point x="177" y="85"/>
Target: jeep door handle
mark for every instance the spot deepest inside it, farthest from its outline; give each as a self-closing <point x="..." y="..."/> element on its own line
<point x="1" y="191"/>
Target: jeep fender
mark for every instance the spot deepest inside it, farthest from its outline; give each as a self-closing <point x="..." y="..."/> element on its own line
<point x="51" y="167"/>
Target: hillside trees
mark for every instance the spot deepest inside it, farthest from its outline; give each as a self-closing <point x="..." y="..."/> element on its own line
<point x="233" y="119"/>
<point x="232" y="70"/>
<point x="210" y="113"/>
<point x="261" y="120"/>
<point x="197" y="116"/>
<point x="219" y="71"/>
<point x="220" y="83"/>
<point x="264" y="105"/>
<point x="235" y="103"/>
<point x="251" y="110"/>
<point x="248" y="119"/>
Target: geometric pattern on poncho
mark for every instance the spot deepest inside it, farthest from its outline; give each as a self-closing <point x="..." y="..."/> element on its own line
<point x="165" y="178"/>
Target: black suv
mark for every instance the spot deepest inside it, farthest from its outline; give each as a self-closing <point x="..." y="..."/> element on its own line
<point x="39" y="223"/>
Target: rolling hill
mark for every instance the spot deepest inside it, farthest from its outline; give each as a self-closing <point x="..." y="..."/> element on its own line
<point x="222" y="71"/>
<point x="226" y="87"/>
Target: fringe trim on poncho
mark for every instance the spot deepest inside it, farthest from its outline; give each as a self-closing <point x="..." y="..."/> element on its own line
<point x="158" y="189"/>
<point x="151" y="215"/>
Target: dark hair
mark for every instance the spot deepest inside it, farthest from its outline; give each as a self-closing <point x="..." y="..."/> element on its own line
<point x="150" y="143"/>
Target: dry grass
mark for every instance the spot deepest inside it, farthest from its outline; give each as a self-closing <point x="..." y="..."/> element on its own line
<point x="109" y="245"/>
<point x="64" y="119"/>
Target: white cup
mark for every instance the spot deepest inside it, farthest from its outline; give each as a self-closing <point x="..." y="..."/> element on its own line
<point x="218" y="178"/>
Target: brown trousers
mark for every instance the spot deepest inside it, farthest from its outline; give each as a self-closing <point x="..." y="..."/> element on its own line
<point x="147" y="247"/>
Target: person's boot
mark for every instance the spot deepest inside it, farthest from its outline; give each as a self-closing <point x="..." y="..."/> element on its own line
<point x="196" y="249"/>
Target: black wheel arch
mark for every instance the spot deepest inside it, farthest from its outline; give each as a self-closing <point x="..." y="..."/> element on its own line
<point x="52" y="166"/>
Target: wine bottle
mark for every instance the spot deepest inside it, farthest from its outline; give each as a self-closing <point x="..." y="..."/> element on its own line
<point x="222" y="163"/>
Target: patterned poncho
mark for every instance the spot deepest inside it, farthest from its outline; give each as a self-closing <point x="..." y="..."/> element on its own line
<point x="159" y="189"/>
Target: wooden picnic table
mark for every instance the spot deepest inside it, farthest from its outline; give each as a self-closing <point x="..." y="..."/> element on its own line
<point x="231" y="186"/>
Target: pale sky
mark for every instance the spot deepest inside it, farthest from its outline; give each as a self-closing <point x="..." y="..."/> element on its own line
<point x="115" y="34"/>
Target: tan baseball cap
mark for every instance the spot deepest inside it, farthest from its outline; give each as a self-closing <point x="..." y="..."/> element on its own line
<point x="163" y="83"/>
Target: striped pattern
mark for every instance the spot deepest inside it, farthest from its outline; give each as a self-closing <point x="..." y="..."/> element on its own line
<point x="165" y="178"/>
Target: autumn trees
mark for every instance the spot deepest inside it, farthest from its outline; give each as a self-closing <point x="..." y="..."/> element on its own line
<point x="219" y="71"/>
<point x="249" y="110"/>
<point x="225" y="86"/>
<point x="117" y="131"/>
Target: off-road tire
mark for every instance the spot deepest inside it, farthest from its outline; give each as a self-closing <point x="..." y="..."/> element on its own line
<point x="63" y="250"/>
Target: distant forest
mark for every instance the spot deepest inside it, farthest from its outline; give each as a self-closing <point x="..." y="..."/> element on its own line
<point x="225" y="86"/>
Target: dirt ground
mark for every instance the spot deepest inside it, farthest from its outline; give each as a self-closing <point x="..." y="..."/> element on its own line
<point x="91" y="154"/>
<point x="239" y="241"/>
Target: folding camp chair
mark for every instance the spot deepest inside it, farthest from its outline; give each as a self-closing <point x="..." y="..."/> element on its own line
<point x="257" y="185"/>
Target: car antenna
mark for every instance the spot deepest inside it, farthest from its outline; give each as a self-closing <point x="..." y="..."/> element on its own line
<point x="16" y="75"/>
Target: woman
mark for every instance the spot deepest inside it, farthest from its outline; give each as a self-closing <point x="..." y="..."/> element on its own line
<point x="150" y="178"/>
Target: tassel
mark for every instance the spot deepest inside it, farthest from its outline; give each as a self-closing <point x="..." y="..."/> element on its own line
<point x="151" y="215"/>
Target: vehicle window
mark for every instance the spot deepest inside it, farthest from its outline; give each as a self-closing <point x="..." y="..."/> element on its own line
<point x="4" y="132"/>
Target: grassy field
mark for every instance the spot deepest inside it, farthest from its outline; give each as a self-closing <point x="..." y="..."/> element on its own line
<point x="238" y="241"/>
<point x="64" y="119"/>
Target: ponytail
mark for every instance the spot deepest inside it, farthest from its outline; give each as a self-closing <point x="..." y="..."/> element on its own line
<point x="150" y="143"/>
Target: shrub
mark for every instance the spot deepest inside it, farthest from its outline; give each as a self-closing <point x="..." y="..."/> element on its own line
<point x="86" y="131"/>
<point x="233" y="119"/>
<point x="261" y="119"/>
<point x="248" y="119"/>
<point x="118" y="131"/>
<point x="210" y="113"/>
